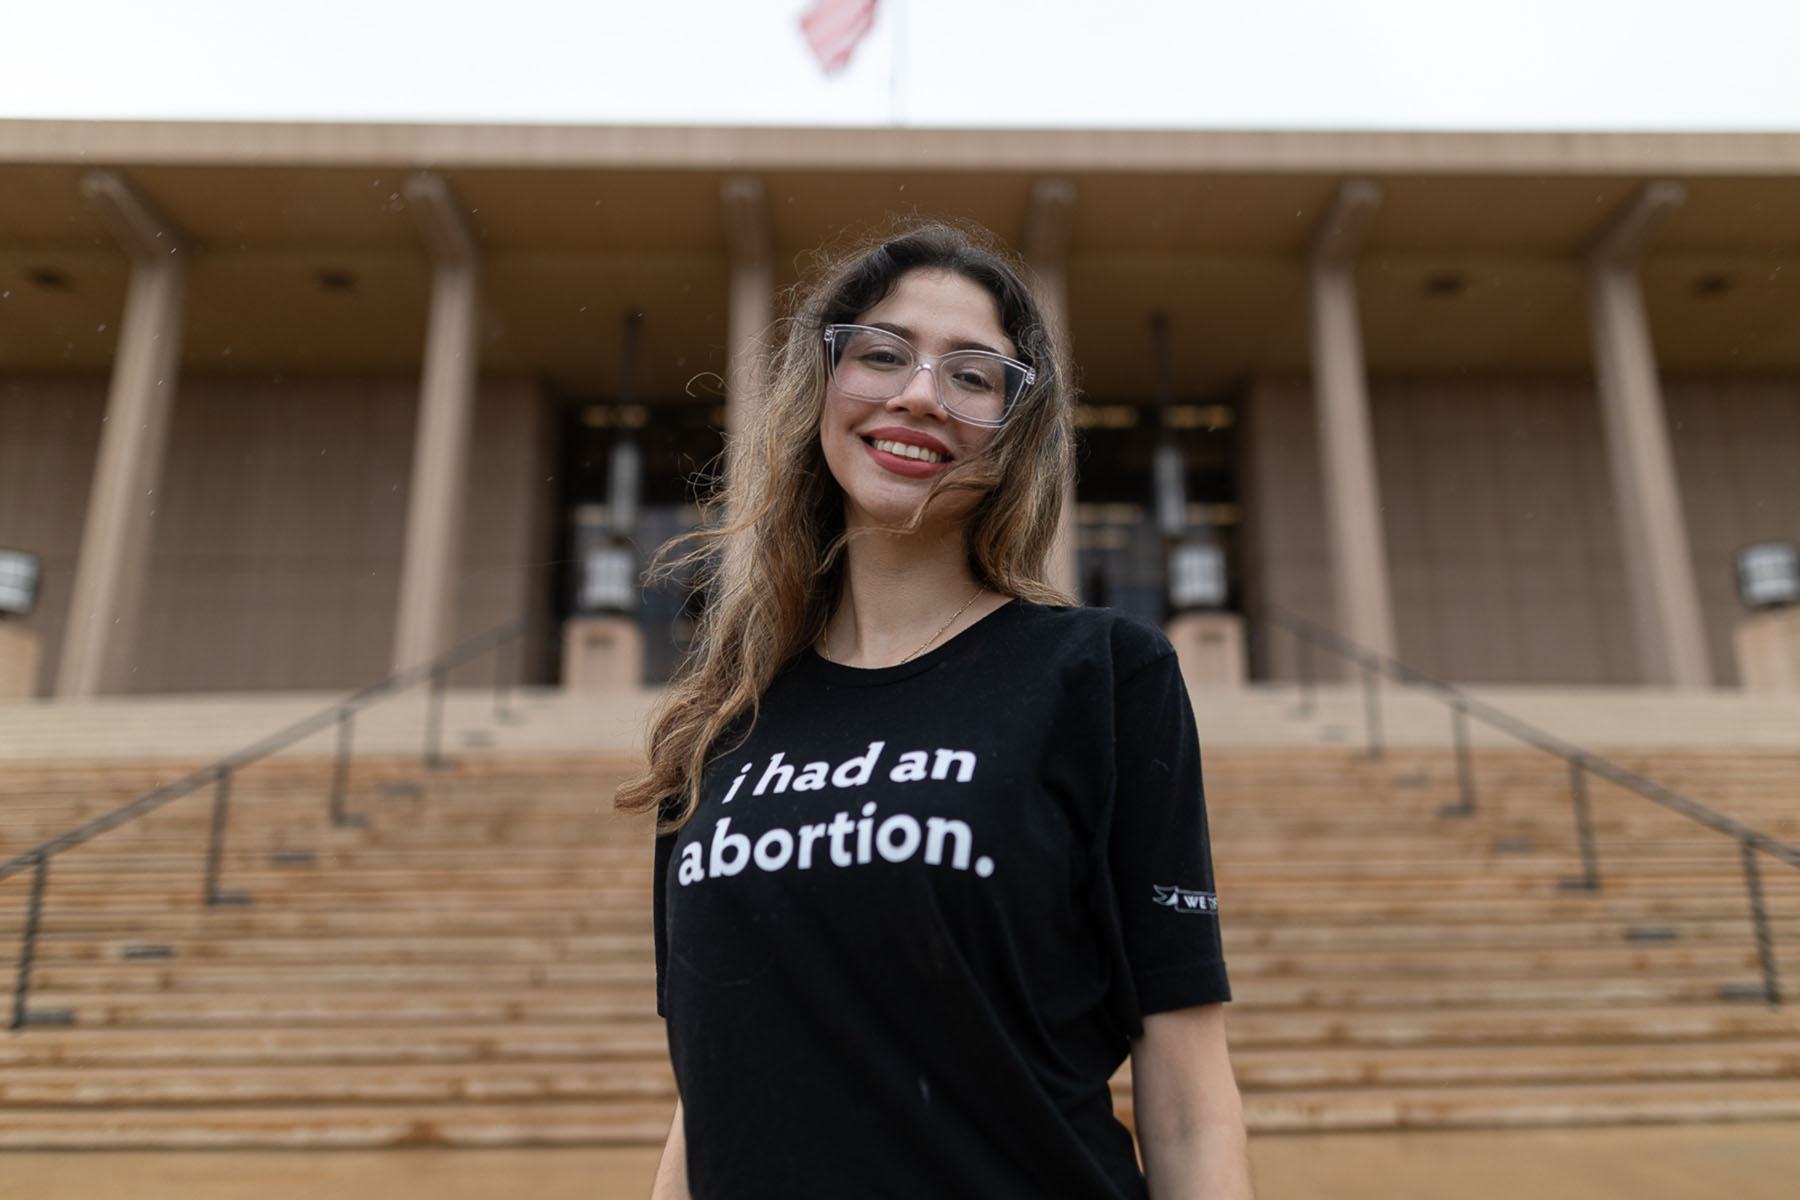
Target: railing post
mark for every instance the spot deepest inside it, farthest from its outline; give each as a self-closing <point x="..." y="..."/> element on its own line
<point x="1759" y="918"/>
<point x="1307" y="702"/>
<point x="1584" y="833"/>
<point x="340" y="771"/>
<point x="434" y="720"/>
<point x="1465" y="764"/>
<point x="1371" y="710"/>
<point x="502" y="706"/>
<point x="215" y="846"/>
<point x="28" y="946"/>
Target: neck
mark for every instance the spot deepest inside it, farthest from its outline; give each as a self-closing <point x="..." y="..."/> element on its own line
<point x="898" y="590"/>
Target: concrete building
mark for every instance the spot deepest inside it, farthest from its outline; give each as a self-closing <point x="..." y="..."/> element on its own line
<point x="282" y="406"/>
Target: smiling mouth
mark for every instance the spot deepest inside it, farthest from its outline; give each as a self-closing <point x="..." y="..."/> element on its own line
<point x="907" y="450"/>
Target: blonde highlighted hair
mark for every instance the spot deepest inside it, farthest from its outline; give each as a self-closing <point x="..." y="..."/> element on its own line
<point x="769" y="554"/>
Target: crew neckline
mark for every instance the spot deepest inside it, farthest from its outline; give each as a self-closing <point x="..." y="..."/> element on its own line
<point x="841" y="673"/>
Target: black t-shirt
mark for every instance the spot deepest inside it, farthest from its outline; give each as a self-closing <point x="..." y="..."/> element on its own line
<point x="904" y="939"/>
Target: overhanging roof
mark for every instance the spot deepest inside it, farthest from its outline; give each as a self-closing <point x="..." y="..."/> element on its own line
<point x="1474" y="260"/>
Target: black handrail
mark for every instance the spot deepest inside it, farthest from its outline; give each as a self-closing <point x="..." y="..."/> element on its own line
<point x="1581" y="763"/>
<point x="342" y="713"/>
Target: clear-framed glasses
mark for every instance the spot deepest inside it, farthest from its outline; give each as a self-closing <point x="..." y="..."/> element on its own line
<point x="976" y="386"/>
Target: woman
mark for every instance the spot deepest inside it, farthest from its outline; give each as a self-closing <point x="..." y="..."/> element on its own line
<point x="933" y="854"/>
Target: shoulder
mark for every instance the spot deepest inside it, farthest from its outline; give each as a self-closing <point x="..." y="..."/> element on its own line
<point x="1126" y="641"/>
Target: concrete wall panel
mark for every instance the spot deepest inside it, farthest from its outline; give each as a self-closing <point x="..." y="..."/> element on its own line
<point x="1499" y="516"/>
<point x="277" y="540"/>
<point x="1737" y="452"/>
<point x="49" y="437"/>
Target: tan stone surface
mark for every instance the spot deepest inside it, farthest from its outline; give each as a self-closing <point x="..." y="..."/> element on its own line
<point x="602" y="654"/>
<point x="198" y="729"/>
<point x="560" y="1174"/>
<point x="1747" y="1162"/>
<point x="1768" y="651"/>
<point x="20" y="652"/>
<point x="1210" y="647"/>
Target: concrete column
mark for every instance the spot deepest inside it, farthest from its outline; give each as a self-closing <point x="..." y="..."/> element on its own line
<point x="752" y="299"/>
<point x="1659" y="570"/>
<point x="115" y="538"/>
<point x="434" y="526"/>
<point x="1365" y="611"/>
<point x="1048" y="222"/>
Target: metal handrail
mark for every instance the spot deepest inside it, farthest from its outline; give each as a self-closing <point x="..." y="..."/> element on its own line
<point x="1581" y="763"/>
<point x="342" y="714"/>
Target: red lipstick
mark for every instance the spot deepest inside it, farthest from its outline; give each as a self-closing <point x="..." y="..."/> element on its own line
<point x="899" y="464"/>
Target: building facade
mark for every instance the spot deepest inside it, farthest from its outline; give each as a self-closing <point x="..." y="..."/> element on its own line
<point x="284" y="406"/>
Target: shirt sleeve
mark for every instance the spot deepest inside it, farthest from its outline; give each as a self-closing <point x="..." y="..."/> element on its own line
<point x="1159" y="852"/>
<point x="659" y="906"/>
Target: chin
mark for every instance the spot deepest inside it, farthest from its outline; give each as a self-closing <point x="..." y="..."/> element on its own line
<point x="950" y="511"/>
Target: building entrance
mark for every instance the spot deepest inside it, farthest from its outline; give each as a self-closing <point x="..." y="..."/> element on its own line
<point x="668" y="445"/>
<point x="1123" y="551"/>
<point x="1123" y="548"/>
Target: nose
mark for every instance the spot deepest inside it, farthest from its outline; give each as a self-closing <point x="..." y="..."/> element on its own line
<point x="920" y="394"/>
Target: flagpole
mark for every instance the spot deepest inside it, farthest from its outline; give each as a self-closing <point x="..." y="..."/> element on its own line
<point x="897" y="65"/>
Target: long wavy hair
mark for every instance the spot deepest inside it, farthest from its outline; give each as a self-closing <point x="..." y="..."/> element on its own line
<point x="769" y="553"/>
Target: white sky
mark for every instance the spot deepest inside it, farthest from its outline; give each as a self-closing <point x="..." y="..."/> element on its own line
<point x="1410" y="64"/>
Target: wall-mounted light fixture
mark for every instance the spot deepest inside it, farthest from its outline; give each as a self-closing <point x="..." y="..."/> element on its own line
<point x="1197" y="576"/>
<point x="1768" y="575"/>
<point x="19" y="575"/>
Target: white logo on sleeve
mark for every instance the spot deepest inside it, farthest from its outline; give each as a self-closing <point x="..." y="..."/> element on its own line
<point x="1183" y="900"/>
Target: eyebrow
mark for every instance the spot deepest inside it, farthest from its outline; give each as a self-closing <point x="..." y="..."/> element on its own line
<point x="912" y="335"/>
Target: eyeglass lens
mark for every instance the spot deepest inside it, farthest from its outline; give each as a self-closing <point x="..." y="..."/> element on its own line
<point x="872" y="364"/>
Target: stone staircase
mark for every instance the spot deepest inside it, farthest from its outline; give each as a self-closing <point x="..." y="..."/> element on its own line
<point x="473" y="967"/>
<point x="1399" y="968"/>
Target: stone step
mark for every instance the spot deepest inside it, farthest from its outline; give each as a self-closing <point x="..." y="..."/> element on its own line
<point x="1255" y="973"/>
<point x="1602" y="932"/>
<point x="647" y="1076"/>
<point x="1512" y="872"/>
<point x="1590" y="993"/>
<point x="340" y="1127"/>
<point x="436" y="947"/>
<point x="1559" y="1105"/>
<point x="292" y="978"/>
<point x="117" y="1007"/>
<point x="351" y="939"/>
<point x="1461" y="962"/>
<point x="632" y="1035"/>
<point x="1500" y="1026"/>
<point x="251" y="921"/>
<point x="1643" y="1033"/>
<point x="1262" y="1070"/>
<point x="177" y="1010"/>
<point x="414" y="1124"/>
<point x="609" y="907"/>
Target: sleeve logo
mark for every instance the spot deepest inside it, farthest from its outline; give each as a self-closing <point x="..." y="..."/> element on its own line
<point x="1182" y="900"/>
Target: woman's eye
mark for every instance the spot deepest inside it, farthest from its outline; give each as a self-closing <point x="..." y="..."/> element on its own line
<point x="973" y="381"/>
<point x="881" y="357"/>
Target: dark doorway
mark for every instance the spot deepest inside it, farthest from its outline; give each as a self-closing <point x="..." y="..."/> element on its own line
<point x="1122" y="554"/>
<point x="679" y="440"/>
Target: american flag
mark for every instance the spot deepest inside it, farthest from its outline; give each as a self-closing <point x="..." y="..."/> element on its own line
<point x="834" y="27"/>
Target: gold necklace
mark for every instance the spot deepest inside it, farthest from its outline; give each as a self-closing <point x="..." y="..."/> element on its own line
<point x="820" y="644"/>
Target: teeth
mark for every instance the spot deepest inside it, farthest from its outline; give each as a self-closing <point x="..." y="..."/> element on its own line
<point x="906" y="450"/>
